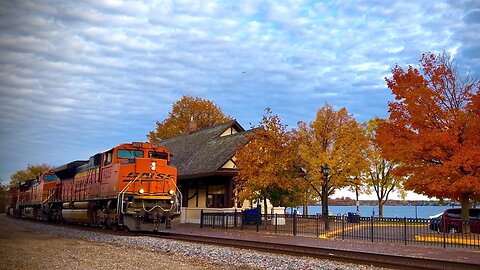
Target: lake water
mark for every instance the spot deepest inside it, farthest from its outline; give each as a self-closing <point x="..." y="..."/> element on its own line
<point x="388" y="211"/>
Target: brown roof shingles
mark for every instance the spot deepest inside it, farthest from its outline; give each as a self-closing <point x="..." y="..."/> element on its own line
<point x="204" y="152"/>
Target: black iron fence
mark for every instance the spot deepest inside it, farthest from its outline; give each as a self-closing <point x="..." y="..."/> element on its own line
<point x="407" y="231"/>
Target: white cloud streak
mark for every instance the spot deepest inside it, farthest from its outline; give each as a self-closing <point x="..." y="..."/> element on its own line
<point x="76" y="78"/>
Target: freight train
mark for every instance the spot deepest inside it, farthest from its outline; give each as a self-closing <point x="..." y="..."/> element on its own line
<point x="130" y="186"/>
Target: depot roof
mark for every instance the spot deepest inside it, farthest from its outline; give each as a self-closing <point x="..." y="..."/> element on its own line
<point x="206" y="152"/>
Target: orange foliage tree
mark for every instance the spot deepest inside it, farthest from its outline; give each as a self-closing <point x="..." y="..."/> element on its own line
<point x="336" y="139"/>
<point x="434" y="131"/>
<point x="266" y="167"/>
<point x="203" y="112"/>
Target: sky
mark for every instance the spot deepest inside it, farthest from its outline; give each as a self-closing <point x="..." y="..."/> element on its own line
<point x="78" y="77"/>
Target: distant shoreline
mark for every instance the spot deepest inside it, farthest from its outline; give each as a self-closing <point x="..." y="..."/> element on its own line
<point x="337" y="202"/>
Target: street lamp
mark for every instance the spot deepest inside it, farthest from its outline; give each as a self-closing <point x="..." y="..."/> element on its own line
<point x="326" y="171"/>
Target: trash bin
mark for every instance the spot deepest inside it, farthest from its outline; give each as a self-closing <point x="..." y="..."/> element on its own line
<point x="353" y="218"/>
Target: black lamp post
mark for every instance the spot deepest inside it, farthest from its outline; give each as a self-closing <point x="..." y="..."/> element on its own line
<point x="326" y="171"/>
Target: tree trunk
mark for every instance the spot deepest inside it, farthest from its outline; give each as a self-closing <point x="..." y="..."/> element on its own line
<point x="380" y="208"/>
<point x="465" y="213"/>
<point x="357" y="203"/>
<point x="305" y="205"/>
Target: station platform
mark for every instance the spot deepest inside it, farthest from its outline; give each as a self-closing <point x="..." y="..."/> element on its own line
<point x="450" y="254"/>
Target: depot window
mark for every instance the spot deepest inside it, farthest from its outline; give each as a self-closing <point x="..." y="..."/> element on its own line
<point x="216" y="196"/>
<point x="129" y="153"/>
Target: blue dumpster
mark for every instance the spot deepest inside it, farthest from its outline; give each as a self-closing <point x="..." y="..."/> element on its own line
<point x="251" y="217"/>
<point x="353" y="218"/>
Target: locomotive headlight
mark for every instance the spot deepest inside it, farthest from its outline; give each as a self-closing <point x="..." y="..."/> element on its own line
<point x="153" y="165"/>
<point x="141" y="191"/>
<point x="171" y="192"/>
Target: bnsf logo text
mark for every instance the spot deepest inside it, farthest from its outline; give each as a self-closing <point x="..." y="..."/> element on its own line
<point x="149" y="176"/>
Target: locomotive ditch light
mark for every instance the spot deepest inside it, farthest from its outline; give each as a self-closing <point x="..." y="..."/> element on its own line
<point x="153" y="165"/>
<point x="171" y="201"/>
<point x="171" y="192"/>
<point x="141" y="191"/>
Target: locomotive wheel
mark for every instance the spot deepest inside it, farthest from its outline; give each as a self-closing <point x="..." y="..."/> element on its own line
<point x="103" y="225"/>
<point x="168" y="223"/>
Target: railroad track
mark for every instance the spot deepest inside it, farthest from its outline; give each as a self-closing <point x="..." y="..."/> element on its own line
<point x="382" y="260"/>
<point x="366" y="258"/>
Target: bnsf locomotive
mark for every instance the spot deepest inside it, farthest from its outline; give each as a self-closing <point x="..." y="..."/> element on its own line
<point x="130" y="186"/>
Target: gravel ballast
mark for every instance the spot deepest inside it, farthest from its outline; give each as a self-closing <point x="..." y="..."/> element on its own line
<point x="35" y="245"/>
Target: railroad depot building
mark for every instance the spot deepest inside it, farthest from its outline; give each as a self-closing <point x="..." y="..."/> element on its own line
<point x="205" y="160"/>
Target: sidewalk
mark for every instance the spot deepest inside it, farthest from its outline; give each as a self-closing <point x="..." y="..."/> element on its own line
<point x="416" y="251"/>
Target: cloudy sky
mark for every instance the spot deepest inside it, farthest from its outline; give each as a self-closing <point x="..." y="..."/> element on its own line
<point x="77" y="78"/>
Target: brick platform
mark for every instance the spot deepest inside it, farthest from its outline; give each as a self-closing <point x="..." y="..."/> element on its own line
<point x="429" y="252"/>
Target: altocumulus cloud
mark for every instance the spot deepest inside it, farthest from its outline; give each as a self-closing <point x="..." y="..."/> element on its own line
<point x="76" y="78"/>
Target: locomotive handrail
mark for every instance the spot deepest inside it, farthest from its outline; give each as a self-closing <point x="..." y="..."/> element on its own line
<point x="121" y="194"/>
<point x="178" y="197"/>
<point x="179" y="200"/>
<point x="49" y="196"/>
<point x="20" y="201"/>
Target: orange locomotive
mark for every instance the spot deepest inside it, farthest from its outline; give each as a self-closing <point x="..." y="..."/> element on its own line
<point x="130" y="186"/>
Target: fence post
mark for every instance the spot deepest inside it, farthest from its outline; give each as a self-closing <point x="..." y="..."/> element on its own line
<point x="243" y="217"/>
<point x="444" y="232"/>
<point x="317" y="220"/>
<point x="259" y="218"/>
<point x="225" y="220"/>
<point x="213" y="220"/>
<point x="405" y="230"/>
<point x="295" y="222"/>
<point x="201" y="218"/>
<point x="371" y="226"/>
<point x="276" y="222"/>
<point x="343" y="227"/>
<point x="235" y="218"/>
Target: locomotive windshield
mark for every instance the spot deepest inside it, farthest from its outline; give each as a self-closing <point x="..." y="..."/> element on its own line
<point x="122" y="153"/>
<point x="159" y="155"/>
<point x="49" y="177"/>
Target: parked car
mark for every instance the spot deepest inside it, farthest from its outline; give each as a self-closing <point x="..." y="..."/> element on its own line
<point x="451" y="221"/>
<point x="434" y="221"/>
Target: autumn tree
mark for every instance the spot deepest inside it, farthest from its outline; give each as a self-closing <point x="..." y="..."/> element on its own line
<point x="357" y="185"/>
<point x="203" y="112"/>
<point x="336" y="139"/>
<point x="433" y="130"/>
<point x="266" y="164"/>
<point x="378" y="176"/>
<point x="31" y="172"/>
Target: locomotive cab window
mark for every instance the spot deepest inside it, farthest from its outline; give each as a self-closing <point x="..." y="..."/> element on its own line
<point x="123" y="153"/>
<point x="49" y="178"/>
<point x="159" y="155"/>
<point x="107" y="157"/>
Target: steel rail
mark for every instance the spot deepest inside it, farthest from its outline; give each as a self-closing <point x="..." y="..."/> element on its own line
<point x="366" y="258"/>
